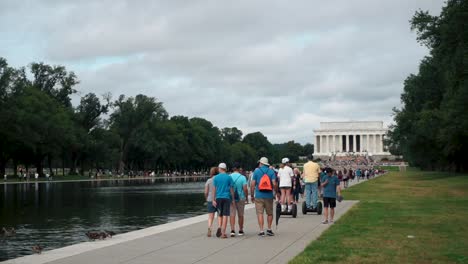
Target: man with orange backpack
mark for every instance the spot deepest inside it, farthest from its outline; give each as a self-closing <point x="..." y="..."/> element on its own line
<point x="263" y="185"/>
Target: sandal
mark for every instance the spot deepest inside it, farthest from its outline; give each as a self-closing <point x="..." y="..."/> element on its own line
<point x="209" y="232"/>
<point x="224" y="236"/>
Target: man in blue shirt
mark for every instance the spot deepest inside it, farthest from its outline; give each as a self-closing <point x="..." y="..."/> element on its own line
<point x="240" y="195"/>
<point x="358" y="174"/>
<point x="331" y="186"/>
<point x="263" y="185"/>
<point x="224" y="194"/>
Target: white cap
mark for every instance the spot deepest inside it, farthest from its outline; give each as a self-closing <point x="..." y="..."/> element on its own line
<point x="264" y="161"/>
<point x="222" y="166"/>
<point x="285" y="160"/>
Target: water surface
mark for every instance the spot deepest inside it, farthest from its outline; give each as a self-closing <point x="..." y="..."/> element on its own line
<point x="55" y="215"/>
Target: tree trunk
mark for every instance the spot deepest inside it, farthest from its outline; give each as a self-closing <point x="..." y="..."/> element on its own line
<point x="122" y="157"/>
<point x="3" y="162"/>
<point x="49" y="161"/>
<point x="63" y="163"/>
<point x="15" y="168"/>
<point x="39" y="167"/>
<point x="74" y="159"/>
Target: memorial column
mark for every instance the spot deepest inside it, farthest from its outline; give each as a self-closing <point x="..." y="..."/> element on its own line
<point x="325" y="143"/>
<point x="347" y="143"/>
<point x="354" y="143"/>
<point x="334" y="143"/>
<point x="317" y="150"/>
<point x="340" y="140"/>
<point x="367" y="143"/>
<point x="375" y="143"/>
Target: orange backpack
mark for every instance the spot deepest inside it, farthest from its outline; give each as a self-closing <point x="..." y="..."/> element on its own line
<point x="264" y="185"/>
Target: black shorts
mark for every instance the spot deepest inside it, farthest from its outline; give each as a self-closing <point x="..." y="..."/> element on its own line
<point x="223" y="206"/>
<point x="329" y="202"/>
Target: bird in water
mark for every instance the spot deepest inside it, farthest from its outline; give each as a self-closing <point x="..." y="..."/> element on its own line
<point x="8" y="232"/>
<point x="110" y="233"/>
<point x="37" y="249"/>
<point x="93" y="235"/>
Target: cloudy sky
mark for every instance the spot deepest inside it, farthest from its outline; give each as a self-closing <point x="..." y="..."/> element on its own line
<point x="279" y="67"/>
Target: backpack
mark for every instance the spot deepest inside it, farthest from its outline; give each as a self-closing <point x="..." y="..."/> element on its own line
<point x="264" y="185"/>
<point x="236" y="194"/>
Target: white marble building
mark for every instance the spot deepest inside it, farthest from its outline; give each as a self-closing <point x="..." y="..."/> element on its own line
<point x="358" y="137"/>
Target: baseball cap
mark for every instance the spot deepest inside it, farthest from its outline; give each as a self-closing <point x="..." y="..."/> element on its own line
<point x="222" y="166"/>
<point x="264" y="161"/>
<point x="285" y="160"/>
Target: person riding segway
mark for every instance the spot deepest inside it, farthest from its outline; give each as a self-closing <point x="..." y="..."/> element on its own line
<point x="286" y="206"/>
<point x="311" y="179"/>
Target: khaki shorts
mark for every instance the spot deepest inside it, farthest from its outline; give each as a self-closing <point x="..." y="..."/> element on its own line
<point x="263" y="204"/>
<point x="238" y="207"/>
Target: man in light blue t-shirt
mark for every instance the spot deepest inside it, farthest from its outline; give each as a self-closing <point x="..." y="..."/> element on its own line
<point x="223" y="192"/>
<point x="240" y="195"/>
<point x="331" y="190"/>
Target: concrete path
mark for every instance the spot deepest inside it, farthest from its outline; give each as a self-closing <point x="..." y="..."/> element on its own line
<point x="185" y="241"/>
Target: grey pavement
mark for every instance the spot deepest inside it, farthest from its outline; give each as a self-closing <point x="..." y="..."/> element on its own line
<point x="185" y="241"/>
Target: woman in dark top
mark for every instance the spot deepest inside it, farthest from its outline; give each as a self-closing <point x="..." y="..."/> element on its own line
<point x="296" y="185"/>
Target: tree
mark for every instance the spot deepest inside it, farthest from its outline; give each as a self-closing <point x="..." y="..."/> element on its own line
<point x="260" y="143"/>
<point x="231" y="135"/>
<point x="431" y="128"/>
<point x="87" y="117"/>
<point x="308" y="149"/>
<point x="130" y="116"/>
<point x="43" y="125"/>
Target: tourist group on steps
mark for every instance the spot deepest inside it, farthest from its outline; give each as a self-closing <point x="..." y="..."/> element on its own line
<point x="227" y="194"/>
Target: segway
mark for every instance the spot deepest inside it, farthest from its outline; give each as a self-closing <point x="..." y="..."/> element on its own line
<point x="293" y="211"/>
<point x="317" y="210"/>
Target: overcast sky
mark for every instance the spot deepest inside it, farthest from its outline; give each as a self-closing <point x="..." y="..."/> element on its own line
<point x="279" y="67"/>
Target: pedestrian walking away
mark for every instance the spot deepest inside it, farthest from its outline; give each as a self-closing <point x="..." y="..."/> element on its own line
<point x="240" y="195"/>
<point x="311" y="177"/>
<point x="224" y="194"/>
<point x="285" y="178"/>
<point x="209" y="191"/>
<point x="262" y="190"/>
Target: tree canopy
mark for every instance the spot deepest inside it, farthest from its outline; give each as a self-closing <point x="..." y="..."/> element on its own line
<point x="41" y="128"/>
<point x="431" y="128"/>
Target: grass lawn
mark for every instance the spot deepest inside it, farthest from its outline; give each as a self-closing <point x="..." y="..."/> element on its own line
<point x="407" y="217"/>
<point x="388" y="168"/>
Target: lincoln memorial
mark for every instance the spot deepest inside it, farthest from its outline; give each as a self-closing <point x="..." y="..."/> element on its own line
<point x="358" y="137"/>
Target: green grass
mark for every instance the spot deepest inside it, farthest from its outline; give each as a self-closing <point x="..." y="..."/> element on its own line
<point x="432" y="207"/>
<point x="388" y="168"/>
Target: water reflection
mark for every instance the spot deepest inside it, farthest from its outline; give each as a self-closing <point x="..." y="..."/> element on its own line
<point x="58" y="214"/>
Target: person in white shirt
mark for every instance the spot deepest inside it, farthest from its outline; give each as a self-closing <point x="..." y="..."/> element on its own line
<point x="285" y="176"/>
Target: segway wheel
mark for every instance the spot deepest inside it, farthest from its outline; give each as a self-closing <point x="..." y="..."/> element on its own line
<point x="319" y="208"/>
<point x="278" y="209"/>
<point x="294" y="210"/>
<point x="304" y="208"/>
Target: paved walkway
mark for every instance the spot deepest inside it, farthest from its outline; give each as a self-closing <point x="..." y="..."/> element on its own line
<point x="185" y="241"/>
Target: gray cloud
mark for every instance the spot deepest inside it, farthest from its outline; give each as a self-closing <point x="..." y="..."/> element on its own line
<point x="275" y="66"/>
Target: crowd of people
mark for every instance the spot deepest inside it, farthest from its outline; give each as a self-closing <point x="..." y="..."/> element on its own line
<point x="227" y="194"/>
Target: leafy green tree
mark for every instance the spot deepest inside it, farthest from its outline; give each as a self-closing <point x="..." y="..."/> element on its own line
<point x="231" y="135"/>
<point x="260" y="144"/>
<point x="431" y="128"/>
<point x="43" y="125"/>
<point x="87" y="117"/>
<point x="308" y="149"/>
<point x="131" y="115"/>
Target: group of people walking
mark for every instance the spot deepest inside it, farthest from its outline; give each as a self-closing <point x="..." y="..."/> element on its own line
<point x="227" y="194"/>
